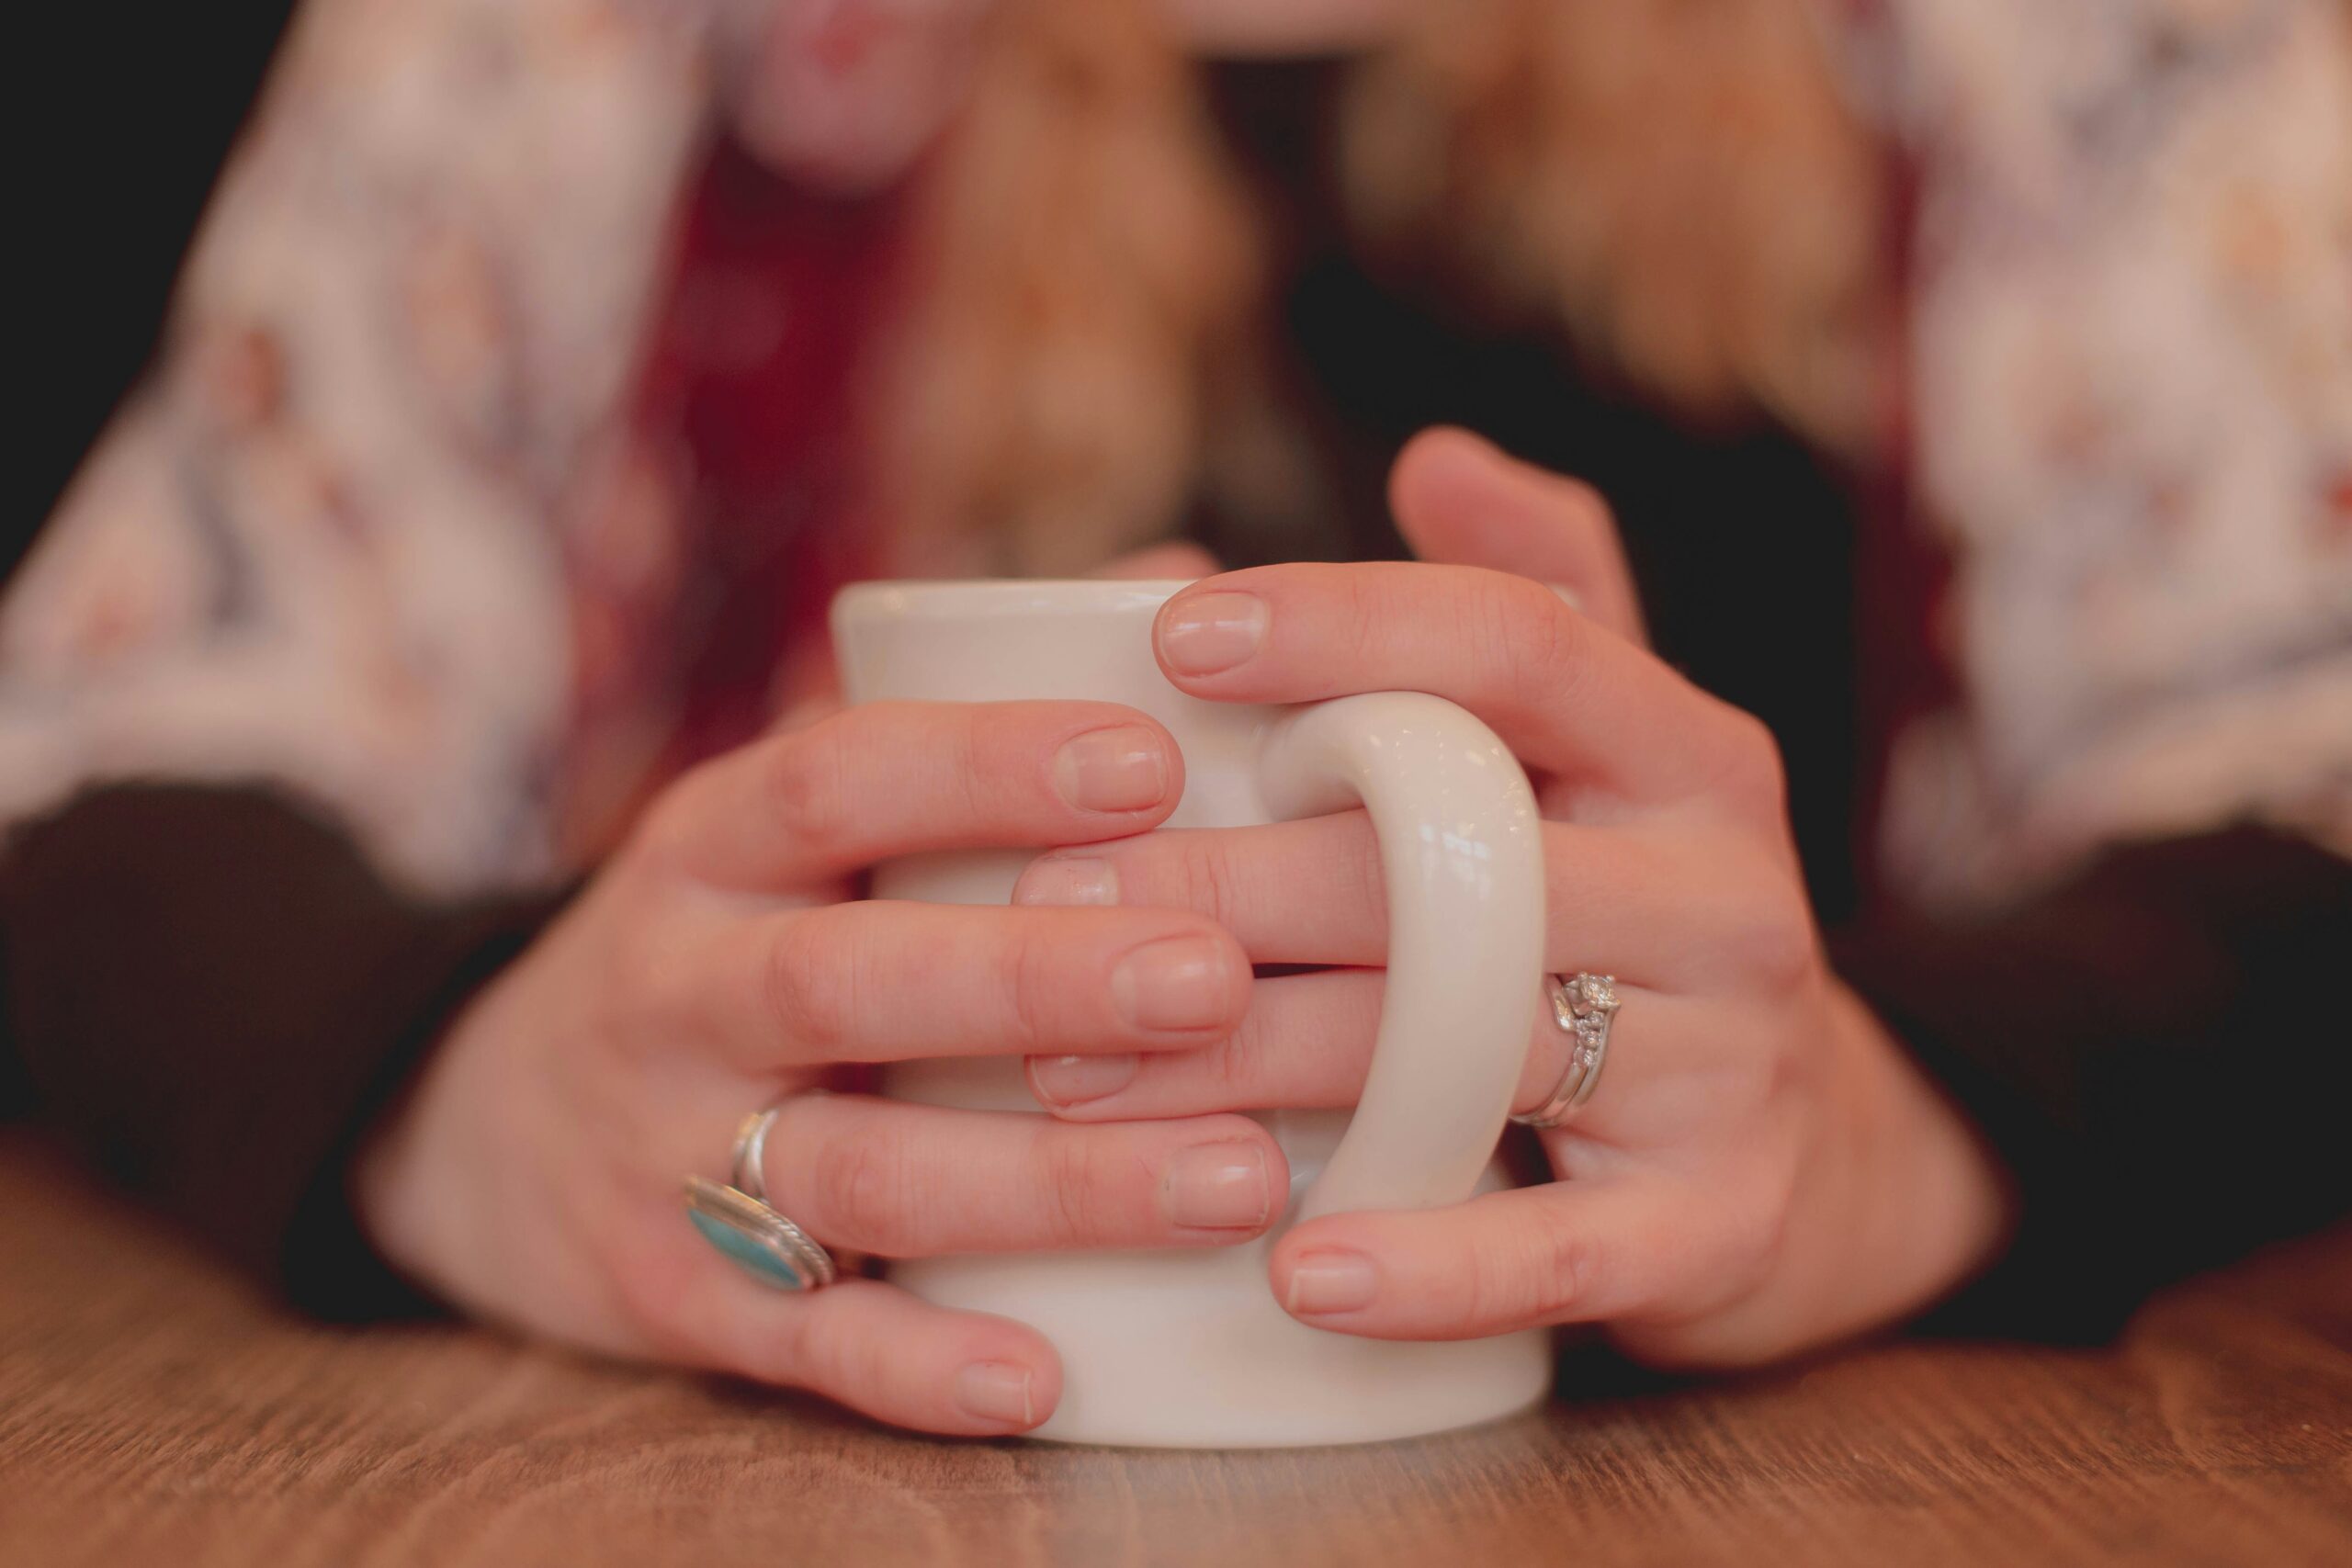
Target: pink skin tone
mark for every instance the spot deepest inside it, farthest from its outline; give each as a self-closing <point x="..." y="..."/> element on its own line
<point x="721" y="961"/>
<point x="1761" y="1170"/>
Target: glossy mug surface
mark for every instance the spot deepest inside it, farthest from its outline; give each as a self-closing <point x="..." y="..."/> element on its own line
<point x="1189" y="1347"/>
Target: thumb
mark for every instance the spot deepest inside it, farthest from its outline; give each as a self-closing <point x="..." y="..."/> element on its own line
<point x="1461" y="500"/>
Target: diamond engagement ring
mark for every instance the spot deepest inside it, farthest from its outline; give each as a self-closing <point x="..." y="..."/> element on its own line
<point x="738" y="1221"/>
<point x="1583" y="1006"/>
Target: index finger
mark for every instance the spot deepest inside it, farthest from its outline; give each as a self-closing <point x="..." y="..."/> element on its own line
<point x="1564" y="692"/>
<point x="1460" y="499"/>
<point x="887" y="779"/>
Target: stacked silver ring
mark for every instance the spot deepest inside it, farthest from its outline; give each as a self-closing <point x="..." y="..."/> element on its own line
<point x="1584" y="1006"/>
<point x="738" y="1221"/>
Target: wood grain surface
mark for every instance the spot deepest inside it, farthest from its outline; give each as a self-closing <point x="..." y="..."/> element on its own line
<point x="154" y="1410"/>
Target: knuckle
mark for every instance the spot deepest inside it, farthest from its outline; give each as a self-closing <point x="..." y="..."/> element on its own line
<point x="862" y="1365"/>
<point x="1365" y="619"/>
<point x="808" y="982"/>
<point x="1361" y="884"/>
<point x="1535" y="1273"/>
<point x="1767" y="1078"/>
<point x="1751" y="773"/>
<point x="859" y="1182"/>
<point x="663" y="844"/>
<point x="1320" y="1059"/>
<point x="845" y="1358"/>
<point x="1492" y="1286"/>
<point x="658" y="842"/>
<point x="1211" y="882"/>
<point x="1797" y="1069"/>
<point x="1761" y="1231"/>
<point x="980" y="753"/>
<point x="1563" y="1266"/>
<point x="1034" y="991"/>
<point x="1007" y="751"/>
<point x="646" y="988"/>
<point x="1231" y="1066"/>
<point x="1067" y="1177"/>
<point x="821" y="1352"/>
<point x="1755" y="1081"/>
<point x="1532" y="638"/>
<point x="1585" y="511"/>
<point x="795" y="1353"/>
<point x="655" y="1296"/>
<point x="1771" y="943"/>
<point x="805" y="776"/>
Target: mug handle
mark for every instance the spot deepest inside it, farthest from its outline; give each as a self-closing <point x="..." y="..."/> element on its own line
<point x="1461" y="850"/>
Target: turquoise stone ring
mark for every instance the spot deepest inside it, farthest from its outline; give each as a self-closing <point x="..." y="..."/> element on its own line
<point x="761" y="1242"/>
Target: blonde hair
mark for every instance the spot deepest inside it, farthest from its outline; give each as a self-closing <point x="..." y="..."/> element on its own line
<point x="1085" y="254"/>
<point x="1674" y="182"/>
<point x="1677" y="182"/>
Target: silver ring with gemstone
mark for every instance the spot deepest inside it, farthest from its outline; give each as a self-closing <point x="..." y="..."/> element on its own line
<point x="740" y="1223"/>
<point x="1584" y="1006"/>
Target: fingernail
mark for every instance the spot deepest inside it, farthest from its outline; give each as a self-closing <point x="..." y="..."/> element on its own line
<point x="1220" y="1187"/>
<point x="1177" y="982"/>
<point x="1112" y="770"/>
<point x="1077" y="880"/>
<point x="1569" y="596"/>
<point x="1209" y="632"/>
<point x="1330" y="1281"/>
<point x="1065" y="1081"/>
<point x="997" y="1391"/>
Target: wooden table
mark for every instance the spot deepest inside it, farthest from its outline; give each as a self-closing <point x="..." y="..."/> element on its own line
<point x="155" y="1410"/>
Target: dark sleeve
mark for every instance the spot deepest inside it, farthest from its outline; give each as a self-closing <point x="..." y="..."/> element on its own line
<point x="2154" y="1050"/>
<point x="210" y="992"/>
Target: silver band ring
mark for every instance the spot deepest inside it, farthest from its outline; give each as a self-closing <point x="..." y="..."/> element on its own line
<point x="749" y="1174"/>
<point x="1584" y="1008"/>
<point x="738" y="1222"/>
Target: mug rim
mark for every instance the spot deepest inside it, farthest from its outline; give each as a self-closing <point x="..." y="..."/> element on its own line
<point x="991" y="598"/>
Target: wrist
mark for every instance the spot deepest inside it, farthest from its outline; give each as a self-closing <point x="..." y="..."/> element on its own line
<point x="406" y="1180"/>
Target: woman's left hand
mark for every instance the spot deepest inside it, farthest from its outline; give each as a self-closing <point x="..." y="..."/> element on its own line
<point x="1761" y="1168"/>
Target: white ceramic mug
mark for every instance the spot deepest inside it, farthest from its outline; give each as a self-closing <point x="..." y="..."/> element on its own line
<point x="1189" y="1347"/>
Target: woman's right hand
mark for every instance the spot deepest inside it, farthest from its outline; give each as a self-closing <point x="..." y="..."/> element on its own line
<point x="721" y="961"/>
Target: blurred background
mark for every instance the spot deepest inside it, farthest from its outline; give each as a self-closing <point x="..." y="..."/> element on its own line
<point x="452" y="418"/>
<point x="126" y="137"/>
<point x="1969" y="382"/>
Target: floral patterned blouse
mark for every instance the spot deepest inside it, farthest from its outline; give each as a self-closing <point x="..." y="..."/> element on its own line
<point x="364" y="531"/>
